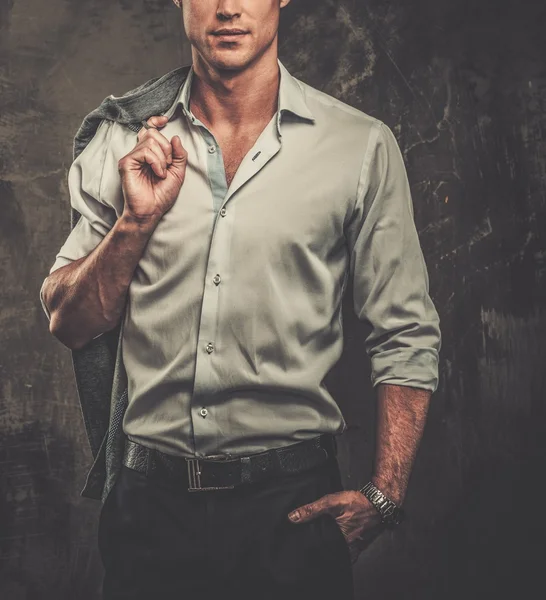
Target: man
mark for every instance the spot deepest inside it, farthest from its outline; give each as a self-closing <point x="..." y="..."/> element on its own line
<point x="220" y="239"/>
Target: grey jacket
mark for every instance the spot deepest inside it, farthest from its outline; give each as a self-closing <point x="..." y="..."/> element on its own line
<point x="100" y="375"/>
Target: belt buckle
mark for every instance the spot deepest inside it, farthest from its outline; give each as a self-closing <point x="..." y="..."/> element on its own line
<point x="194" y="478"/>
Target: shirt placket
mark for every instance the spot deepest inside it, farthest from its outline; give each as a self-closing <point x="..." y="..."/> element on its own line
<point x="210" y="348"/>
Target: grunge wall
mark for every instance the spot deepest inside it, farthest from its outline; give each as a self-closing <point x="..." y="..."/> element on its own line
<point x="463" y="86"/>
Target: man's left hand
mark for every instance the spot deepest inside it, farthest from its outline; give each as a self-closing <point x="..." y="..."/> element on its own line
<point x="356" y="516"/>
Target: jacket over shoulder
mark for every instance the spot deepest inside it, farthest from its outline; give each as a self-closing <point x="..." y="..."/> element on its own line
<point x="101" y="379"/>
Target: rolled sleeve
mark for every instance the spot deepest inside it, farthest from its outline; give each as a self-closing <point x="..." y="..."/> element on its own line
<point x="97" y="217"/>
<point x="46" y="310"/>
<point x="390" y="279"/>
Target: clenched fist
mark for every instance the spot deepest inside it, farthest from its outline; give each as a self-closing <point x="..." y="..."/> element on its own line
<point x="152" y="173"/>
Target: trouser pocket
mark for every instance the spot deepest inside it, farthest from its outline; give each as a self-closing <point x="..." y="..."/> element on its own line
<point x="334" y="539"/>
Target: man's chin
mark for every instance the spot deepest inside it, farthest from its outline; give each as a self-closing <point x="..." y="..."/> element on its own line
<point x="230" y="60"/>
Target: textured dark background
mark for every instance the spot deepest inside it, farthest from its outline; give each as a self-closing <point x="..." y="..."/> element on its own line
<point x="463" y="85"/>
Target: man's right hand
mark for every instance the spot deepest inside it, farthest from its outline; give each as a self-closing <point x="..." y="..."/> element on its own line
<point x="152" y="173"/>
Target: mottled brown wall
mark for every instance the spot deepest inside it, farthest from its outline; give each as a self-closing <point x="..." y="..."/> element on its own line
<point x="463" y="85"/>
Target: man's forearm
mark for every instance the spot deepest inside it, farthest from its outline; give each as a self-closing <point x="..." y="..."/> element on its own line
<point x="87" y="297"/>
<point x="401" y="416"/>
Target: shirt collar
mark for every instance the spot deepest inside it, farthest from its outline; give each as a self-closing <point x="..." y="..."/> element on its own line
<point x="290" y="99"/>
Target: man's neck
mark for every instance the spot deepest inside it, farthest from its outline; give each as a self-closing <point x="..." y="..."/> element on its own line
<point x="235" y="99"/>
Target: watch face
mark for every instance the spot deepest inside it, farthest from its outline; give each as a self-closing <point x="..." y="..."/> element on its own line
<point x="397" y="517"/>
<point x="392" y="515"/>
<point x="389" y="512"/>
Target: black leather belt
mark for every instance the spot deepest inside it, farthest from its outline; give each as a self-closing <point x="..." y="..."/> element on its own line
<point x="225" y="472"/>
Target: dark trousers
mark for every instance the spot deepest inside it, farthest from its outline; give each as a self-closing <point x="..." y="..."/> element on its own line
<point x="159" y="541"/>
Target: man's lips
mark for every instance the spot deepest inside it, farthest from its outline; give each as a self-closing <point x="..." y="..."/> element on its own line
<point x="229" y="32"/>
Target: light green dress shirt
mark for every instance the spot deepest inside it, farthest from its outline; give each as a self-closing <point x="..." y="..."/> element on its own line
<point x="234" y="311"/>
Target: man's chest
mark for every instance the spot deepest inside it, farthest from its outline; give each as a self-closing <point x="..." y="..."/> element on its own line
<point x="285" y="218"/>
<point x="266" y="203"/>
<point x="234" y="144"/>
<point x="233" y="152"/>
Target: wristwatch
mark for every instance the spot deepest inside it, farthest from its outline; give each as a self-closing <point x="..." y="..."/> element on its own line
<point x="391" y="513"/>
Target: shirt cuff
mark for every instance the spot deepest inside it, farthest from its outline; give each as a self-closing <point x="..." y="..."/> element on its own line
<point x="414" y="367"/>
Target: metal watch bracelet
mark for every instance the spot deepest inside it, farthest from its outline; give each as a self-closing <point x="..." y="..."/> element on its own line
<point x="391" y="514"/>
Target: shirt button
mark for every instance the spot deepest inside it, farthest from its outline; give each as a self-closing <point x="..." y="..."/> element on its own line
<point x="223" y="212"/>
<point x="217" y="279"/>
<point x="212" y="149"/>
<point x="210" y="347"/>
<point x="203" y="412"/>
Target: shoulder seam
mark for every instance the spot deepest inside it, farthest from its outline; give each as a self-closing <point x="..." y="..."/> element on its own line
<point x="337" y="104"/>
<point x="370" y="151"/>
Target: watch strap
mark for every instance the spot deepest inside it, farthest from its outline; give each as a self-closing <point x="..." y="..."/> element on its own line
<point x="390" y="512"/>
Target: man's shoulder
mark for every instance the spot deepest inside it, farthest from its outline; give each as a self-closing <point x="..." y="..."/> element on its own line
<point x="152" y="97"/>
<point x="336" y="111"/>
<point x="148" y="98"/>
<point x="160" y="87"/>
